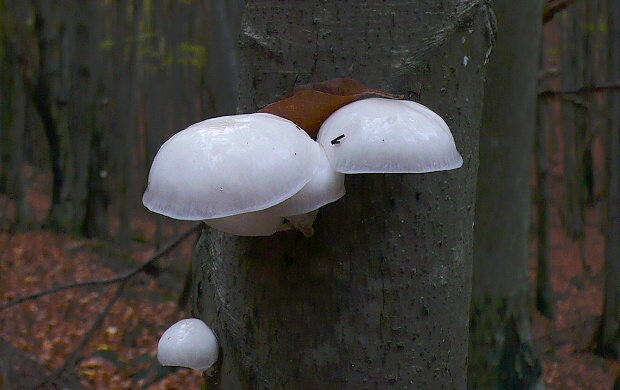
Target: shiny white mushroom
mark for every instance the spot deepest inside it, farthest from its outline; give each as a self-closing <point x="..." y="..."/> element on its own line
<point x="252" y="224"/>
<point x="388" y="136"/>
<point x="188" y="343"/>
<point x="326" y="186"/>
<point x="229" y="166"/>
<point x="300" y="210"/>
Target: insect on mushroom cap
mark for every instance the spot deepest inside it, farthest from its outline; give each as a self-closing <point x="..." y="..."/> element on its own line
<point x="378" y="135"/>
<point x="230" y="165"/>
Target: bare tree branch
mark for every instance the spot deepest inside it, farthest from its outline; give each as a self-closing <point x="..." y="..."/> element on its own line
<point x="72" y="357"/>
<point x="102" y="282"/>
<point x="549" y="93"/>
<point x="553" y="7"/>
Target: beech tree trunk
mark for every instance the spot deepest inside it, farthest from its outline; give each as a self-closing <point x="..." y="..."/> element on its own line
<point x="379" y="296"/>
<point x="501" y="356"/>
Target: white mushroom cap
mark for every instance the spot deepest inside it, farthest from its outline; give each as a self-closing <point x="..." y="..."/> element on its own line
<point x="230" y="165"/>
<point x="255" y="223"/>
<point x="188" y="343"/>
<point x="388" y="136"/>
<point x="325" y="187"/>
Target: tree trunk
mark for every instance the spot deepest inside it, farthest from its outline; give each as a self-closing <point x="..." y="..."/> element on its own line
<point x="45" y="92"/>
<point x="13" y="105"/>
<point x="592" y="43"/>
<point x="153" y="82"/>
<point x="608" y="335"/>
<point x="379" y="295"/>
<point x="124" y="93"/>
<point x="16" y="130"/>
<point x="87" y="196"/>
<point x="544" y="301"/>
<point x="573" y="128"/>
<point x="223" y="21"/>
<point x="501" y="356"/>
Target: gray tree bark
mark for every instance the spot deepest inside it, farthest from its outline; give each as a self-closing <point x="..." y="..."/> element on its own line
<point x="379" y="296"/>
<point x="501" y="356"/>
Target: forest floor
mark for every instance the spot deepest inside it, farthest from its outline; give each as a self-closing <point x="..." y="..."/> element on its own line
<point x="37" y="335"/>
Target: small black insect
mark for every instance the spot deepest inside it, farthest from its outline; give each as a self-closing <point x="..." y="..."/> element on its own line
<point x="336" y="140"/>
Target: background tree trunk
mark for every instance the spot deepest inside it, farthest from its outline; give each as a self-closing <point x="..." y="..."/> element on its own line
<point x="86" y="192"/>
<point x="501" y="356"/>
<point x="574" y="125"/>
<point x="45" y="92"/>
<point x="380" y="294"/>
<point x="223" y="23"/>
<point x="13" y="106"/>
<point x="607" y="337"/>
<point x="544" y="301"/>
<point x="124" y="95"/>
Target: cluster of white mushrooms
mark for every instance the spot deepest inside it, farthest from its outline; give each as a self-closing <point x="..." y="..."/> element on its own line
<point x="255" y="174"/>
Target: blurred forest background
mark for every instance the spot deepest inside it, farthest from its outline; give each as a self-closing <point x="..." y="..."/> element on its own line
<point x="90" y="89"/>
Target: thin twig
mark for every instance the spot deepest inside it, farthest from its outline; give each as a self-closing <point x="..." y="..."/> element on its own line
<point x="72" y="357"/>
<point x="102" y="282"/>
<point x="549" y="93"/>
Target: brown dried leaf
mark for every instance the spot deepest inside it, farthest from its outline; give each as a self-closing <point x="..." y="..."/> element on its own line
<point x="309" y="105"/>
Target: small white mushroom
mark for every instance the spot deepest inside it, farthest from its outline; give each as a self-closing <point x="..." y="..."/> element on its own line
<point x="188" y="343"/>
<point x="230" y="165"/>
<point x="388" y="136"/>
